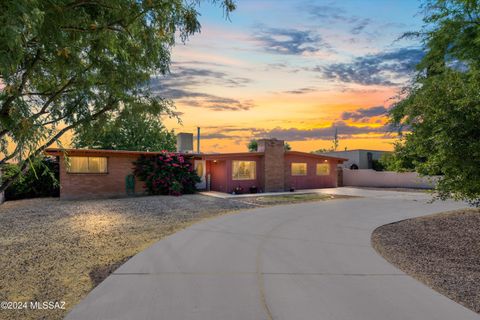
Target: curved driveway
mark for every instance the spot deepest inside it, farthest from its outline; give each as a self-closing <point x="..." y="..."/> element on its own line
<point x="305" y="261"/>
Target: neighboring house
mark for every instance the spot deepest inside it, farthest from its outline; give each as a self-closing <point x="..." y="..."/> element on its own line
<point x="357" y="159"/>
<point x="103" y="173"/>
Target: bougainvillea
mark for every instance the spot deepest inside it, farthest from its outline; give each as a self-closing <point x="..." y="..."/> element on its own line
<point x="166" y="173"/>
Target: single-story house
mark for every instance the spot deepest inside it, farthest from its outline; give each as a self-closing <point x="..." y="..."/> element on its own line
<point x="358" y="158"/>
<point x="103" y="173"/>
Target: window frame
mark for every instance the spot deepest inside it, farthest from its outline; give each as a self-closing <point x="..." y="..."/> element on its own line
<point x="69" y="166"/>
<point x="327" y="164"/>
<point x="245" y="179"/>
<point x="298" y="175"/>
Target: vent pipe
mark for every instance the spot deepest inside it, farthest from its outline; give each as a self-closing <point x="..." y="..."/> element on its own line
<point x="198" y="139"/>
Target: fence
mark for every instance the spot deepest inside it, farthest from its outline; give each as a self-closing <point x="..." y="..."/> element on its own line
<point x="386" y="179"/>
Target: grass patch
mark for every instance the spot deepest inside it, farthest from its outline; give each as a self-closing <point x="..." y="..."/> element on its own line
<point x="290" y="198"/>
<point x="442" y="251"/>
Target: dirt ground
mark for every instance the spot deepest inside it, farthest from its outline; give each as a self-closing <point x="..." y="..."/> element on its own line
<point x="442" y="251"/>
<point x="54" y="250"/>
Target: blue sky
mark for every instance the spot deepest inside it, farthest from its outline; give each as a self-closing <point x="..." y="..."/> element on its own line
<point x="294" y="70"/>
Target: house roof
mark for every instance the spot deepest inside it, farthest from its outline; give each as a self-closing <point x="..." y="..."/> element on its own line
<point x="354" y="150"/>
<point x="315" y="155"/>
<point x="86" y="152"/>
<point x="206" y="156"/>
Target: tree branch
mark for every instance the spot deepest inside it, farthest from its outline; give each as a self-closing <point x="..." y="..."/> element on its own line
<point x="24" y="164"/>
<point x="5" y="109"/>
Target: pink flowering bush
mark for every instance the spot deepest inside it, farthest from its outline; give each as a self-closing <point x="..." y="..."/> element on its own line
<point x="167" y="173"/>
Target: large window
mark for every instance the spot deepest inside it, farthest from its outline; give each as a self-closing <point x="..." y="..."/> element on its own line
<point x="299" y="169"/>
<point x="323" y="169"/>
<point x="88" y="165"/>
<point x="244" y="170"/>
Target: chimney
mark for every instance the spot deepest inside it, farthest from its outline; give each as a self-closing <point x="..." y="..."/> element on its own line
<point x="274" y="164"/>
<point x="185" y="142"/>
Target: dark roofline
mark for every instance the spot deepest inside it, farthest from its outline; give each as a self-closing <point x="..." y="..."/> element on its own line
<point x="59" y="151"/>
<point x="206" y="156"/>
<point x="357" y="150"/>
<point x="315" y="155"/>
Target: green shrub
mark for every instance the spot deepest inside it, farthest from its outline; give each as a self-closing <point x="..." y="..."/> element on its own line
<point x="167" y="173"/>
<point x="41" y="180"/>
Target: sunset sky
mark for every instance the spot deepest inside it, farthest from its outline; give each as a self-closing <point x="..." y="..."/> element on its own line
<point x="293" y="70"/>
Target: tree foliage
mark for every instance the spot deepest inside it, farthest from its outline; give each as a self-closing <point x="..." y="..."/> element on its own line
<point x="64" y="63"/>
<point x="127" y="131"/>
<point x="403" y="159"/>
<point x="253" y="146"/>
<point x="41" y="181"/>
<point x="441" y="109"/>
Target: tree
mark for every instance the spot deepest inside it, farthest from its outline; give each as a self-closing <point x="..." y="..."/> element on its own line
<point x="335" y="140"/>
<point x="253" y="146"/>
<point x="441" y="109"/>
<point x="167" y="173"/>
<point x="66" y="63"/>
<point x="334" y="147"/>
<point x="128" y="131"/>
<point x="41" y="181"/>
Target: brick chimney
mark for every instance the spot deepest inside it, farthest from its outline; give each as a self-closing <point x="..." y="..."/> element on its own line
<point x="274" y="164"/>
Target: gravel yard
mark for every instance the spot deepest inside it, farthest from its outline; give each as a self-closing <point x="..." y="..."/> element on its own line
<point x="59" y="250"/>
<point x="54" y="250"/>
<point x="442" y="251"/>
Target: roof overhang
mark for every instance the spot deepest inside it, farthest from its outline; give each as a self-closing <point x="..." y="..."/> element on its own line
<point x="316" y="156"/>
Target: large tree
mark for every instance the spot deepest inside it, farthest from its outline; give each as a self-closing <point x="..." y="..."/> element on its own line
<point x="441" y="109"/>
<point x="138" y="131"/>
<point x="64" y="63"/>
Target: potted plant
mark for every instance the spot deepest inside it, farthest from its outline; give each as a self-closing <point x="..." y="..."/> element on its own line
<point x="238" y="190"/>
<point x="253" y="189"/>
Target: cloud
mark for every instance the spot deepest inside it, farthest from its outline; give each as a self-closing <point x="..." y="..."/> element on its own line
<point x="344" y="131"/>
<point x="364" y="114"/>
<point x="289" y="41"/>
<point x="186" y="75"/>
<point x="359" y="26"/>
<point x="332" y="14"/>
<point x="300" y="90"/>
<point x="385" y="68"/>
<point x="184" y="83"/>
<point x="217" y="103"/>
<point x="294" y="134"/>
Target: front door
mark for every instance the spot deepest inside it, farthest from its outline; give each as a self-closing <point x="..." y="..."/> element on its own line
<point x="201" y="171"/>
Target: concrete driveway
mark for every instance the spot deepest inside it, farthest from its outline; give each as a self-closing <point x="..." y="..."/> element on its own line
<point x="297" y="262"/>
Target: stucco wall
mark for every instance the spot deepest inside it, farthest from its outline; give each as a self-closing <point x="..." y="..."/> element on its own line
<point x="390" y="179"/>
<point x="358" y="157"/>
<point x="92" y="185"/>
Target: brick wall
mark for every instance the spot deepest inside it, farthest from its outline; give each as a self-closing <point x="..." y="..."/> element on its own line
<point x="274" y="164"/>
<point x="92" y="185"/>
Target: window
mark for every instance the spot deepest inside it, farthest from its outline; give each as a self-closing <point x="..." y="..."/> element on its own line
<point x="299" y="169"/>
<point x="88" y="165"/>
<point x="244" y="170"/>
<point x="323" y="169"/>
